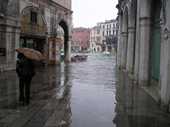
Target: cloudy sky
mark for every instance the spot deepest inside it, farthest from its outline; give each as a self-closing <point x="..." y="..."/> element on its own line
<point x="86" y="13"/>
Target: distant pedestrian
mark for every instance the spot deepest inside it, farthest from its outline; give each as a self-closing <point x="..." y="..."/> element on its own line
<point x="25" y="71"/>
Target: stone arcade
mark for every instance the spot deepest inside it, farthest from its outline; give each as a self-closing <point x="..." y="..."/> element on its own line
<point x="144" y="45"/>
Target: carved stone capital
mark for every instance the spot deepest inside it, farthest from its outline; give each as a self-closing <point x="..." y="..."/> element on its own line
<point x="166" y="33"/>
<point x="131" y="30"/>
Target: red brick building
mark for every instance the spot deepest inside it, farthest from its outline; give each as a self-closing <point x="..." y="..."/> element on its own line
<point x="80" y="39"/>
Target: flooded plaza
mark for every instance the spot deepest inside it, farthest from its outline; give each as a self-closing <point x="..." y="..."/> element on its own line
<point x="92" y="93"/>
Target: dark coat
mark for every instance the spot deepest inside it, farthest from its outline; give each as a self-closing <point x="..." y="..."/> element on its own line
<point x="25" y="68"/>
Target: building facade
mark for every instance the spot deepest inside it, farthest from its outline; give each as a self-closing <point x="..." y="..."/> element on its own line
<point x="95" y="39"/>
<point x="80" y="40"/>
<point x="109" y="31"/>
<point x="143" y="45"/>
<point x="32" y="23"/>
<point x="103" y="36"/>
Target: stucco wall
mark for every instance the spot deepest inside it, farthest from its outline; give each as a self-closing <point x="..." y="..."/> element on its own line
<point x="65" y="3"/>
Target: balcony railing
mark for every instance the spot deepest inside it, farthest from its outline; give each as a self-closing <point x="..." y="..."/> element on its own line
<point x="33" y="29"/>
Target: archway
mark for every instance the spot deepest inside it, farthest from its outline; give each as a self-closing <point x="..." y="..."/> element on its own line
<point x="65" y="28"/>
<point x="155" y="40"/>
<point x="33" y="29"/>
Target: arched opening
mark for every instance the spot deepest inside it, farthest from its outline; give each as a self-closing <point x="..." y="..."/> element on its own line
<point x="98" y="49"/>
<point x="155" y="40"/>
<point x="64" y="26"/>
<point x="33" y="29"/>
<point x="94" y="50"/>
<point x="3" y="6"/>
<point x="60" y="35"/>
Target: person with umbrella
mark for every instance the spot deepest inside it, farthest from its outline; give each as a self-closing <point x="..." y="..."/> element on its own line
<point x="25" y="70"/>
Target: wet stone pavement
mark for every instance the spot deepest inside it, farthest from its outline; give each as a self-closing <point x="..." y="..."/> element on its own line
<point x="86" y="94"/>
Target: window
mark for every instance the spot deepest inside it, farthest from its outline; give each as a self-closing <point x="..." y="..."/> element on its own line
<point x="98" y="39"/>
<point x="2" y="51"/>
<point x="2" y="44"/>
<point x="98" y="31"/>
<point x="33" y="17"/>
<point x="116" y="32"/>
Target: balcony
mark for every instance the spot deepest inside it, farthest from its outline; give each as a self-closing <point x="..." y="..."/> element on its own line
<point x="33" y="29"/>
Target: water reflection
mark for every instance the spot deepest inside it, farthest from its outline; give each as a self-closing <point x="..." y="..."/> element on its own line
<point x="65" y="95"/>
<point x="8" y="88"/>
<point x="50" y="99"/>
<point x="135" y="108"/>
<point x="92" y="100"/>
<point x="87" y="94"/>
<point x="59" y="104"/>
<point x="99" y="89"/>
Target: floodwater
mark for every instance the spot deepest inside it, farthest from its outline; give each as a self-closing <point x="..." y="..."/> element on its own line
<point x="102" y="96"/>
<point x="93" y="93"/>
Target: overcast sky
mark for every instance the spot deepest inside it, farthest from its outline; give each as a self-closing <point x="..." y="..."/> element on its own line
<point x="86" y="13"/>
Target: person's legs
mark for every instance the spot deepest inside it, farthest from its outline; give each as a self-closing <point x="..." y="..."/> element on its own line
<point x="21" y="90"/>
<point x="27" y="89"/>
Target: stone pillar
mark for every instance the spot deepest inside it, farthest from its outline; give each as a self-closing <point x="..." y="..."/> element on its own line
<point x="69" y="39"/>
<point x="137" y="42"/>
<point x="10" y="43"/>
<point x="144" y="41"/>
<point x="17" y="41"/>
<point x="68" y="51"/>
<point x="165" y="69"/>
<point x="130" y="51"/>
<point x="124" y="39"/>
<point x="131" y="39"/>
<point x="119" y="42"/>
<point x="144" y="50"/>
<point x="165" y="58"/>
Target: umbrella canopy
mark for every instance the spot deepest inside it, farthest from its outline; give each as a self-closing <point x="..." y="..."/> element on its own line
<point x="31" y="53"/>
